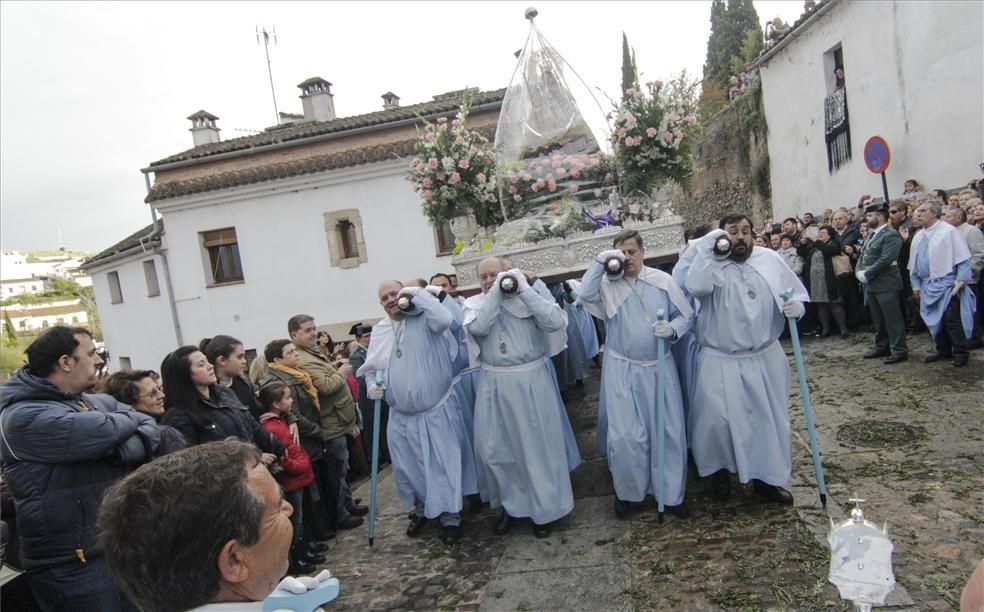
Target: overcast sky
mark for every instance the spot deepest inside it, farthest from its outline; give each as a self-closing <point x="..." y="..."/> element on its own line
<point x="92" y="92"/>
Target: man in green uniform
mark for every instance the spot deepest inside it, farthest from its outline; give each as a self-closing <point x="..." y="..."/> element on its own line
<point x="878" y="272"/>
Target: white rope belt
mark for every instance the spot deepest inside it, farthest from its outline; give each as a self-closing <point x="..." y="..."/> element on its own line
<point x="613" y="353"/>
<point x="514" y="368"/>
<point x="440" y="402"/>
<point x="713" y="351"/>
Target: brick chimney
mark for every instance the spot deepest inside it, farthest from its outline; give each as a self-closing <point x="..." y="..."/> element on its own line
<point x="203" y="128"/>
<point x="390" y="100"/>
<point x="316" y="98"/>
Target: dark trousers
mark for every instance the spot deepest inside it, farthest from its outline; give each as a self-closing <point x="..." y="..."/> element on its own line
<point x="368" y="408"/>
<point x="951" y="339"/>
<point x="319" y="512"/>
<point x="78" y="587"/>
<point x="336" y="451"/>
<point x="296" y="501"/>
<point x="886" y="315"/>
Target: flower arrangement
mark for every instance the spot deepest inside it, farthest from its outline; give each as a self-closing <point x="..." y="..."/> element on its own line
<point x="453" y="170"/>
<point x="655" y="131"/>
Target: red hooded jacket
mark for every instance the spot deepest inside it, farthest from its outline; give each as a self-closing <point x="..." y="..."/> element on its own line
<point x="297" y="472"/>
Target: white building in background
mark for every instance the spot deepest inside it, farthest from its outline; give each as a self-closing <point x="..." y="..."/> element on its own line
<point x="913" y="74"/>
<point x="38" y="317"/>
<point x="306" y="217"/>
<point x="25" y="273"/>
<point x="12" y="287"/>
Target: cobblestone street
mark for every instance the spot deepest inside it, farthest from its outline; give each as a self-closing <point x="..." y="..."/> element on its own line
<point x="906" y="438"/>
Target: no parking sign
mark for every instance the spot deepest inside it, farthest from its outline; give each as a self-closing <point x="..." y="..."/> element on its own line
<point x="876" y="157"/>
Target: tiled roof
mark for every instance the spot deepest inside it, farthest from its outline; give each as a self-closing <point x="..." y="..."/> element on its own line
<point x="131" y="241"/>
<point x="309" y="165"/>
<point x="444" y="103"/>
<point x="45" y="311"/>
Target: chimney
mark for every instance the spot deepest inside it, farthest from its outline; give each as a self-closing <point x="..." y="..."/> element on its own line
<point x="316" y="98"/>
<point x="203" y="128"/>
<point x="390" y="100"/>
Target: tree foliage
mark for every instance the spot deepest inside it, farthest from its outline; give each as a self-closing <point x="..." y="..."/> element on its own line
<point x="630" y="75"/>
<point x="736" y="39"/>
<point x="9" y="335"/>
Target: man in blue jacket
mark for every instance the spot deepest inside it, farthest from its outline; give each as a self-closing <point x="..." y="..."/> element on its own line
<point x="61" y="448"/>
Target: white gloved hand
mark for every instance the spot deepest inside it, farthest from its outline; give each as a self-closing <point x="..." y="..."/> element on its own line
<point x="433" y="290"/>
<point x="708" y="240"/>
<point x="521" y="283"/>
<point x="862" y="277"/>
<point x="606" y="255"/>
<point x="409" y="291"/>
<point x="375" y="391"/>
<point x="793" y="309"/>
<point x="662" y="329"/>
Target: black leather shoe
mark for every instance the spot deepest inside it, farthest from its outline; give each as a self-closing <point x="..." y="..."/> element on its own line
<point x="680" y="510"/>
<point x="721" y="484"/>
<point x="474" y="503"/>
<point x="313" y="558"/>
<point x="300" y="568"/>
<point x="358" y="510"/>
<point x="960" y="361"/>
<point x="621" y="508"/>
<point x="773" y="493"/>
<point x="350" y="522"/>
<point x="450" y="535"/>
<point x="503" y="524"/>
<point x="896" y="359"/>
<point x="934" y="357"/>
<point x="317" y="547"/>
<point x="417" y="524"/>
<point x="875" y="354"/>
<point x="541" y="531"/>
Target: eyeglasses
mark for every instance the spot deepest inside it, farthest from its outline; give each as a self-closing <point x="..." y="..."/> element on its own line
<point x="153" y="392"/>
<point x="892" y="212"/>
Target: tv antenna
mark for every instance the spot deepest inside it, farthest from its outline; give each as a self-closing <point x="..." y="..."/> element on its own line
<point x="267" y="35"/>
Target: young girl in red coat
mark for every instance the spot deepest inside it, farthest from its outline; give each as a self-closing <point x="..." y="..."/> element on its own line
<point x="296" y="474"/>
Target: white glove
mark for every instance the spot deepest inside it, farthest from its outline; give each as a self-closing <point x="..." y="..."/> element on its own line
<point x="433" y="290"/>
<point x="862" y="277"/>
<point x="375" y="391"/>
<point x="521" y="283"/>
<point x="409" y="292"/>
<point x="708" y="240"/>
<point x="793" y="309"/>
<point x="606" y="255"/>
<point x="662" y="329"/>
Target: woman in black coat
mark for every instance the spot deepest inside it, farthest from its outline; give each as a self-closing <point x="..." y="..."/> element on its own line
<point x="204" y="411"/>
<point x="820" y="280"/>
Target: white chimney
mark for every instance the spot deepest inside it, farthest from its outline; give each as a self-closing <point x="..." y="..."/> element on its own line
<point x="203" y="128"/>
<point x="390" y="100"/>
<point x="316" y="98"/>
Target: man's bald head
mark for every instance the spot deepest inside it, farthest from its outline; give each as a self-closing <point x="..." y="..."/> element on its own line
<point x="488" y="269"/>
<point x="388" y="291"/>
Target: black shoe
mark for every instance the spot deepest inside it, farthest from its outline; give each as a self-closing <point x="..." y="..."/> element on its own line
<point x="721" y="484"/>
<point x="541" y="531"/>
<point x="451" y="535"/>
<point x="474" y="503"/>
<point x="356" y="510"/>
<point x="680" y="510"/>
<point x="298" y="567"/>
<point x="845" y="335"/>
<point x="961" y="360"/>
<point x="417" y="524"/>
<point x="503" y="524"/>
<point x="621" y="508"/>
<point x="317" y="547"/>
<point x="934" y="357"/>
<point x="350" y="522"/>
<point x="973" y="344"/>
<point x="773" y="493"/>
<point x="896" y="359"/>
<point x="310" y="557"/>
<point x="323" y="536"/>
<point x="875" y="354"/>
<point x="824" y="334"/>
<point x="356" y="501"/>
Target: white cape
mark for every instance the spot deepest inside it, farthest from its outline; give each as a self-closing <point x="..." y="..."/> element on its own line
<point x="556" y="341"/>
<point x="947" y="248"/>
<point x="615" y="292"/>
<point x="381" y="347"/>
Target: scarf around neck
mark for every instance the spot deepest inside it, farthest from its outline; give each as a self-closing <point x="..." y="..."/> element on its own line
<point x="302" y="376"/>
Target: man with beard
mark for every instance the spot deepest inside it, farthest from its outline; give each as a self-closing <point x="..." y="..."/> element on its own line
<point x="739" y="416"/>
<point x="523" y="438"/>
<point x="878" y="273"/>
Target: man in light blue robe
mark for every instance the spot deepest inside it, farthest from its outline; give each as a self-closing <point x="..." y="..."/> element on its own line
<point x="585" y="323"/>
<point x="739" y="416"/>
<point x="523" y="438"/>
<point x="415" y="350"/>
<point x="940" y="271"/>
<point x="627" y="406"/>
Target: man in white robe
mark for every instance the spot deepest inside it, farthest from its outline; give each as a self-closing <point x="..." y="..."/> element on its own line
<point x="523" y="438"/>
<point x="739" y="416"/>
<point x="627" y="407"/>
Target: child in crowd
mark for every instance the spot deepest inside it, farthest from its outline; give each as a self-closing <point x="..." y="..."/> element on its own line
<point x="789" y="255"/>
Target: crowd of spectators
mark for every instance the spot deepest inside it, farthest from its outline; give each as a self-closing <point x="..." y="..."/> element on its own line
<point x="825" y="250"/>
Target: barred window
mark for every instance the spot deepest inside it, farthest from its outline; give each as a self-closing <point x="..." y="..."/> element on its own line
<point x="837" y="129"/>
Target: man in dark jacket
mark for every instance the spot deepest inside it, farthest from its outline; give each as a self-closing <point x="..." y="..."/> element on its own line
<point x="878" y="271"/>
<point x="61" y="449"/>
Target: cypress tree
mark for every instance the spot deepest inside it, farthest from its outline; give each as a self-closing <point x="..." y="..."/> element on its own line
<point x="629" y="75"/>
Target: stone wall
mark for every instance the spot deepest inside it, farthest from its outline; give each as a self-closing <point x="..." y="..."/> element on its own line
<point x="731" y="171"/>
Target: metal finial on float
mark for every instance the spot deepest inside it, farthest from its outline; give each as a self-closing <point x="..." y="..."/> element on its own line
<point x="531" y="13"/>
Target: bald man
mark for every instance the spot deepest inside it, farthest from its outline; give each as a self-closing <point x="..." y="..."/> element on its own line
<point x="523" y="438"/>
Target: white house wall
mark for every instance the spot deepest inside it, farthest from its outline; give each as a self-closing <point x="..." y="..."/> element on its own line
<point x="139" y="327"/>
<point x="285" y="254"/>
<point x="914" y="75"/>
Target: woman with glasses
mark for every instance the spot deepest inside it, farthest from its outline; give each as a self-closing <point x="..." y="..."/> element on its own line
<point x="141" y="389"/>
